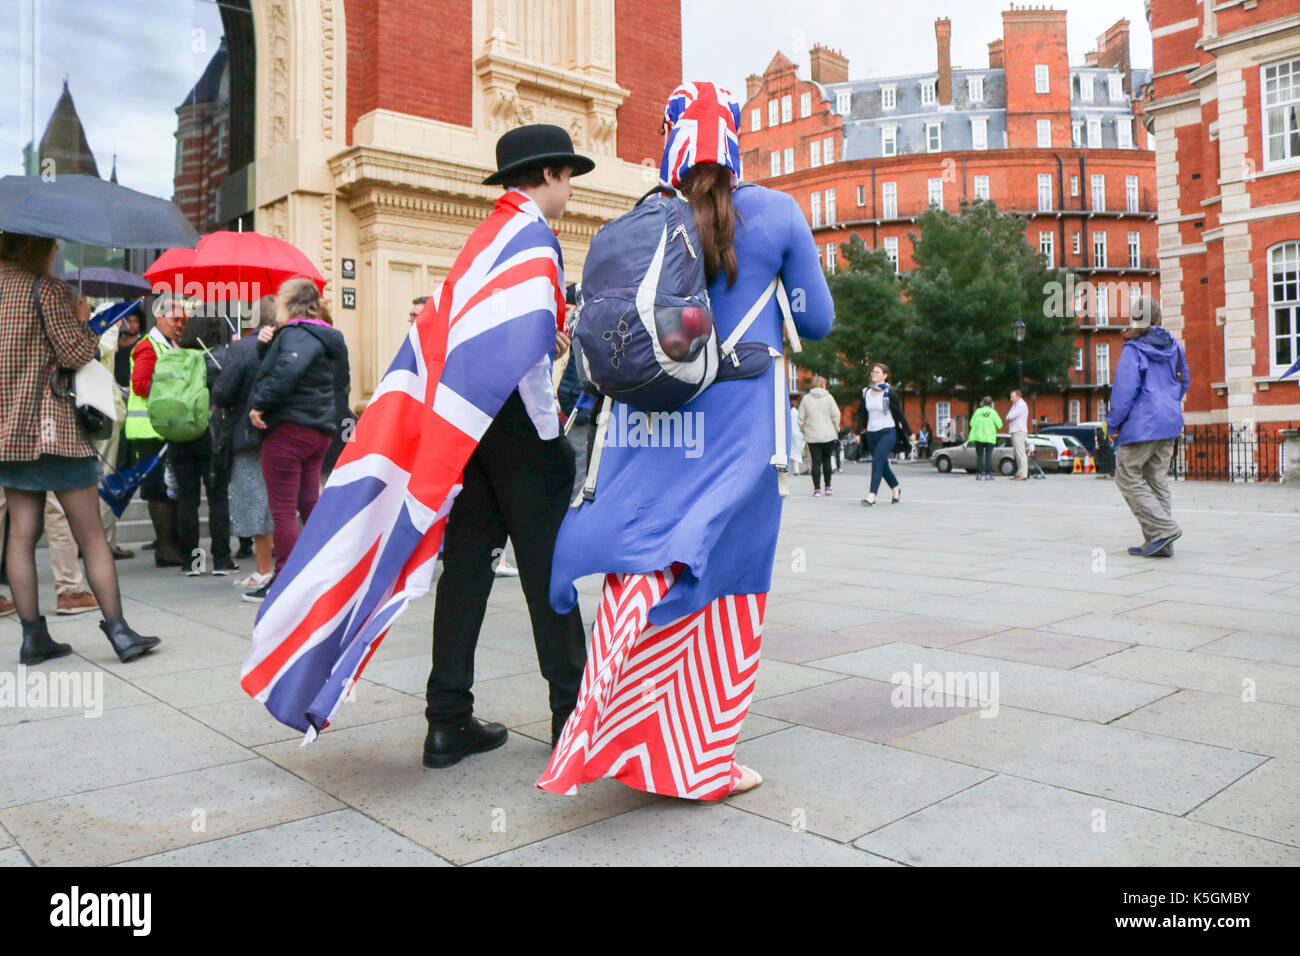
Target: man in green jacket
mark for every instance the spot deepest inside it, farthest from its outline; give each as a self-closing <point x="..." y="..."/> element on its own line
<point x="984" y="425"/>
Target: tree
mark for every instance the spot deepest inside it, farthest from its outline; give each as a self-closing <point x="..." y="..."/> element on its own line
<point x="975" y="276"/>
<point x="872" y="323"/>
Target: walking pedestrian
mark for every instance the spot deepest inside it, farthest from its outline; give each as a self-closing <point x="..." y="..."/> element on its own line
<point x="687" y="544"/>
<point x="819" y="420"/>
<point x="517" y="481"/>
<point x="798" y="446"/>
<point x="42" y="448"/>
<point x="300" y="389"/>
<point x="882" y="407"/>
<point x="984" y="425"/>
<point x="250" y="511"/>
<point x="1018" y="426"/>
<point x="1145" y="420"/>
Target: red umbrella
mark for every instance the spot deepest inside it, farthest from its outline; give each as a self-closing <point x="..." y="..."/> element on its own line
<point x="171" y="270"/>
<point x="245" y="266"/>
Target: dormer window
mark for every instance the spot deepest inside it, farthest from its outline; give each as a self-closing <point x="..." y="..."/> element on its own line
<point x="888" y="97"/>
<point x="843" y="101"/>
<point x="927" y="92"/>
<point x="975" y="89"/>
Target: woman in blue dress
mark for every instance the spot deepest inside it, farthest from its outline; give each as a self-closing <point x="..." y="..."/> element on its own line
<point x="686" y="536"/>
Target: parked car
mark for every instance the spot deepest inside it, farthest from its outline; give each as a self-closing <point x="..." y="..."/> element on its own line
<point x="1066" y="449"/>
<point x="963" y="456"/>
<point x="1044" y="452"/>
<point x="1089" y="434"/>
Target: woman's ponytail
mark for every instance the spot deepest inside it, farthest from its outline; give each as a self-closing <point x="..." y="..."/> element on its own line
<point x="707" y="187"/>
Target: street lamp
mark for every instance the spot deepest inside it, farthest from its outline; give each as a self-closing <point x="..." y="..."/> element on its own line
<point x="1019" y="329"/>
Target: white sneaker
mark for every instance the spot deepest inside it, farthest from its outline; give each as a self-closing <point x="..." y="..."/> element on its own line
<point x="253" y="580"/>
<point x="504" y="570"/>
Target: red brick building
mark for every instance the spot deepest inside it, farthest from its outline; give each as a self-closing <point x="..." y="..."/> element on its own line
<point x="203" y="146"/>
<point x="1056" y="142"/>
<point x="1224" y="110"/>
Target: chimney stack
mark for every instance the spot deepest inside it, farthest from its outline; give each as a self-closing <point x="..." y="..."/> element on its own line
<point x="753" y="83"/>
<point x="827" y="65"/>
<point x="1113" y="50"/>
<point x="996" y="61"/>
<point x="943" y="40"/>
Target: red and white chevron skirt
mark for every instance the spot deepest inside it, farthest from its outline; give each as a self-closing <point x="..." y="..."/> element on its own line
<point x="660" y="708"/>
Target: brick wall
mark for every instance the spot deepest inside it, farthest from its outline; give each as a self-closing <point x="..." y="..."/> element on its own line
<point x="648" y="45"/>
<point x="1033" y="37"/>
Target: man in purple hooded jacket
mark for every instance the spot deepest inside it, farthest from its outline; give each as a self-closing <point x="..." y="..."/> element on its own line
<point x="1146" y="418"/>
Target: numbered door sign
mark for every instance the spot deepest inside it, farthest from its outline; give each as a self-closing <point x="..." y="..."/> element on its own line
<point x="349" y="298"/>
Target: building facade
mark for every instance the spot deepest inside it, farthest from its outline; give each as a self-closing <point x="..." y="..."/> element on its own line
<point x="361" y="131"/>
<point x="1224" y="110"/>
<point x="1055" y="142"/>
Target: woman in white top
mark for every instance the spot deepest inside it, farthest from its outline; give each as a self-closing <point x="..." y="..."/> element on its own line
<point x="886" y="425"/>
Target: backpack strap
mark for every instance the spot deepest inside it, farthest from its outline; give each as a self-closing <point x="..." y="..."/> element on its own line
<point x="588" y="492"/>
<point x="728" y="347"/>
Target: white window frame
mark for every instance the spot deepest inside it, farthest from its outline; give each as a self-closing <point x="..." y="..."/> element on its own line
<point x="828" y="150"/>
<point x="843" y="102"/>
<point x="889" y="200"/>
<point x="773" y="112"/>
<point x="942" y="415"/>
<point x="1094" y="132"/>
<point x="889" y="97"/>
<point x="787" y="108"/>
<point x="1086" y="91"/>
<point x="1103" y="364"/>
<point x="1073" y="416"/>
<point x="1101" y="304"/>
<point x="1098" y="192"/>
<point x="929" y="90"/>
<point x="889" y="141"/>
<point x="1131" y="193"/>
<point x="1134" y="250"/>
<point x="975" y="89"/>
<point x="788" y="157"/>
<point x="1124" y="133"/>
<point x="1283" y="296"/>
<point x="979" y="132"/>
<point x="776" y="163"/>
<point x="1042" y="78"/>
<point x="755" y="120"/>
<point x="891" y="250"/>
<point x="1099" y="250"/>
<point x="832" y="257"/>
<point x="1047" y="246"/>
<point x="1280" y="107"/>
<point x="816" y="205"/>
<point x="830" y="207"/>
<point x="982" y="187"/>
<point x="935" y="145"/>
<point x="1044" y="192"/>
<point x="934" y="191"/>
<point x="862" y="195"/>
<point x="805" y="105"/>
<point x="1078" y="359"/>
<point x="1077" y="244"/>
<point x="1044" y="128"/>
<point x="1074" y="185"/>
<point x="815" y="154"/>
<point x="1115" y="88"/>
<point x="1076" y="133"/>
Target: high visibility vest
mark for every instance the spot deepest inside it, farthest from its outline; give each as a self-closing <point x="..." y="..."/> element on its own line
<point x="137" y="409"/>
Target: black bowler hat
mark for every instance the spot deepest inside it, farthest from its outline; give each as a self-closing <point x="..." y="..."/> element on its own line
<point x="539" y="145"/>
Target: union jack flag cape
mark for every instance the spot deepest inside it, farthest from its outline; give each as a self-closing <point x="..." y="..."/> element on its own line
<point x="369" y="547"/>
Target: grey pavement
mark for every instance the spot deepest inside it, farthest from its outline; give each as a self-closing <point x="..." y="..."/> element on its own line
<point x="1076" y="706"/>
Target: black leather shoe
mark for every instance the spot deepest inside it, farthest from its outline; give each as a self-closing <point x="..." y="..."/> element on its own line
<point x="127" y="643"/>
<point x="38" y="645"/>
<point x="448" y="742"/>
<point x="557" y="728"/>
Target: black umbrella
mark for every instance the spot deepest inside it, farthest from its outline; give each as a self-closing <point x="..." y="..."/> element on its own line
<point x="106" y="283"/>
<point x="91" y="211"/>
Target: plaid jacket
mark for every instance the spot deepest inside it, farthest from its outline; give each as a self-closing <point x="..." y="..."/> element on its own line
<point x="32" y="421"/>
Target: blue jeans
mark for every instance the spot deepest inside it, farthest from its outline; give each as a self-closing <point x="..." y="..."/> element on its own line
<point x="881" y="444"/>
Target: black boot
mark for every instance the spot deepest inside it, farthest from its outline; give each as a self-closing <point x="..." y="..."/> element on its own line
<point x="128" y="644"/>
<point x="449" y="741"/>
<point x="163" y="516"/>
<point x="557" y="728"/>
<point x="38" y="645"/>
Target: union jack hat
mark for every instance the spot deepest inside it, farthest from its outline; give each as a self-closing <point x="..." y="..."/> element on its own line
<point x="703" y="120"/>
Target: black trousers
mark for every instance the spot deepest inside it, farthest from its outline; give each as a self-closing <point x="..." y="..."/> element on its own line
<point x="823" y="457"/>
<point x="192" y="464"/>
<point x="519" y="486"/>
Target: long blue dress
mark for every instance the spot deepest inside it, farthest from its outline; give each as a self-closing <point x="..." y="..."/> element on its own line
<point x="714" y="507"/>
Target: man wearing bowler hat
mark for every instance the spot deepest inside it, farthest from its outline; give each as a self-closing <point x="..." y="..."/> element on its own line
<point x="517" y="482"/>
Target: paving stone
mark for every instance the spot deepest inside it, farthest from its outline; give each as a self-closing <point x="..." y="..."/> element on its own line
<point x="935" y="630"/>
<point x="6" y="841"/>
<point x="82" y="687"/>
<point x="1129" y="630"/>
<point x="482" y="806"/>
<point x="410" y="675"/>
<point x="1249" y="583"/>
<point x="124" y="745"/>
<point x="856" y="708"/>
<point x="1209" y="672"/>
<point x="822" y="615"/>
<point x="1048" y="648"/>
<point x="121" y="823"/>
<point x="1222" y="720"/>
<point x="1261" y="803"/>
<point x="687" y="833"/>
<point x="1274" y="648"/>
<point x="796" y="645"/>
<point x="1027" y="686"/>
<point x="205" y="685"/>
<point x="1005" y="821"/>
<point x="776" y="678"/>
<point x="1109" y="761"/>
<point x="840" y="787"/>
<point x="1077" y="579"/>
<point x="15" y="857"/>
<point x="341" y="838"/>
<point x="1230" y="618"/>
<point x="1227" y="596"/>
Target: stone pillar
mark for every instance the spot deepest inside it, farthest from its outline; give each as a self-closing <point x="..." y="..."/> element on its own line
<point x="1291" y="455"/>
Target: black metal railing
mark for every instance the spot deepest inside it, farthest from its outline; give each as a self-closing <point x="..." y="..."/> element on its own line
<point x="1230" y="452"/>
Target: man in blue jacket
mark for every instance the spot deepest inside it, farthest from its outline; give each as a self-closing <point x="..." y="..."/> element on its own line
<point x="1146" y="417"/>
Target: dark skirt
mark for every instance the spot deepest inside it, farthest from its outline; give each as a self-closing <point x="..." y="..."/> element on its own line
<point x="49" y="473"/>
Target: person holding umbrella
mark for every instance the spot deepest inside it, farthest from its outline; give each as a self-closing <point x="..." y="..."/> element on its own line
<point x="42" y="448"/>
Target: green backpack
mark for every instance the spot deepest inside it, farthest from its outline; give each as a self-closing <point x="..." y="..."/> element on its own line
<point x="179" y="407"/>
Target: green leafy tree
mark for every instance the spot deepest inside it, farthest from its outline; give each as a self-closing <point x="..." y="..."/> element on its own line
<point x="975" y="276"/>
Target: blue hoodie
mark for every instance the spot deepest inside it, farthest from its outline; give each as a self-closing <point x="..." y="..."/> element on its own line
<point x="1146" y="400"/>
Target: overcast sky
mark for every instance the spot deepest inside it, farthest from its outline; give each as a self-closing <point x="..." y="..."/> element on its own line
<point x="130" y="65"/>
